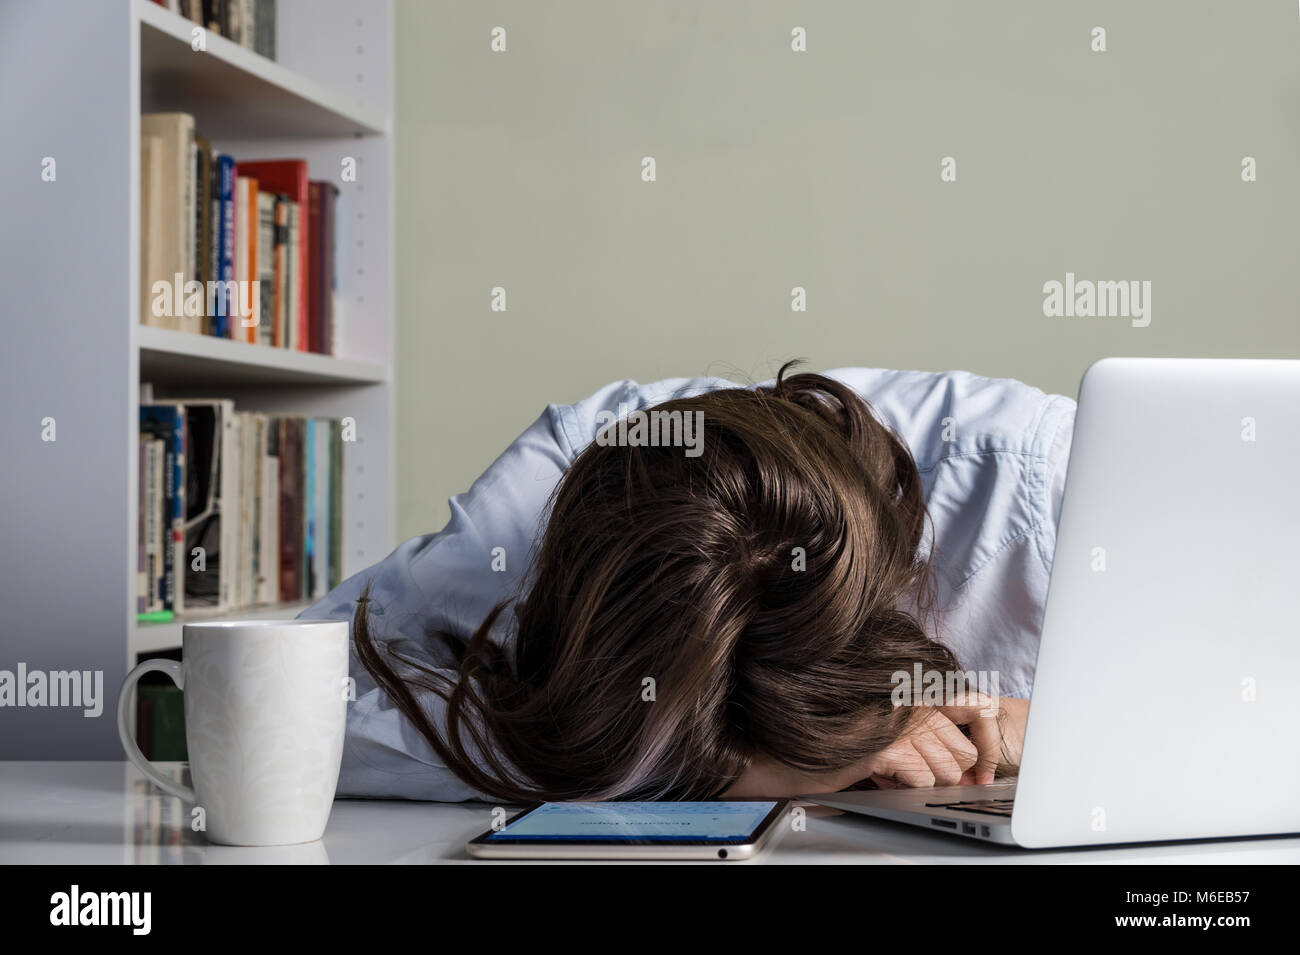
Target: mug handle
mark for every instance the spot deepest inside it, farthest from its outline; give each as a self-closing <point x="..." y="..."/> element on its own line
<point x="124" y="699"/>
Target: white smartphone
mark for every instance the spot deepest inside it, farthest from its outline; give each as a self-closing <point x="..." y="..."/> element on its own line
<point x="717" y="829"/>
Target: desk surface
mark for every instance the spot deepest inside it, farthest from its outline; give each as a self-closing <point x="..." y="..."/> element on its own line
<point x="80" y="813"/>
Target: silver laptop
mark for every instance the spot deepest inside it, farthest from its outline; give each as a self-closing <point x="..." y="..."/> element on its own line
<point x="1165" y="702"/>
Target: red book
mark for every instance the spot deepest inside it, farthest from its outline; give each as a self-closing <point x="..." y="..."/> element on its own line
<point x="320" y="280"/>
<point x="288" y="176"/>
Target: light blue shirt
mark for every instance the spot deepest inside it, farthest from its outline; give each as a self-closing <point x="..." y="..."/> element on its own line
<point x="991" y="454"/>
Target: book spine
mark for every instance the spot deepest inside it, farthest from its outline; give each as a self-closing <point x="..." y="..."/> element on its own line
<point x="179" y="505"/>
<point x="203" y="225"/>
<point x="328" y="331"/>
<point x="230" y="19"/>
<point x="304" y="247"/>
<point x="280" y="241"/>
<point x="247" y="25"/>
<point x="321" y="507"/>
<point x="157" y="535"/>
<point x="247" y="504"/>
<point x="269" y="540"/>
<point x="266" y="28"/>
<point x="308" y="503"/>
<point x="142" y="497"/>
<point x="240" y="310"/>
<point x="226" y="197"/>
<point x="300" y="470"/>
<point x="189" y="323"/>
<point x="289" y="507"/>
<point x="266" y="267"/>
<point x="314" y="264"/>
<point x="169" y="503"/>
<point x="213" y="242"/>
<point x="256" y="457"/>
<point x="253" y="304"/>
<point x="229" y="472"/>
<point x="336" y="504"/>
<point x="294" y="273"/>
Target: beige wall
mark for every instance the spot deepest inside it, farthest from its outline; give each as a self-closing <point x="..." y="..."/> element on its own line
<point x="821" y="169"/>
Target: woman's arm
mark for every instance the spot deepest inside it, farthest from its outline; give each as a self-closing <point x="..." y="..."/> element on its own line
<point x="446" y="582"/>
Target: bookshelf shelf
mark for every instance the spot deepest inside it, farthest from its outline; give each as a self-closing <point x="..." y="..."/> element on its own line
<point x="171" y="357"/>
<point x="233" y="91"/>
<point x="152" y="637"/>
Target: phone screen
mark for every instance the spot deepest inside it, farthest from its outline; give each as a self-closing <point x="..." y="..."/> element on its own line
<point x="639" y="822"/>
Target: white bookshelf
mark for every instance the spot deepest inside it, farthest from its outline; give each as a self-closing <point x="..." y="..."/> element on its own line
<point x="76" y="351"/>
<point x="170" y="357"/>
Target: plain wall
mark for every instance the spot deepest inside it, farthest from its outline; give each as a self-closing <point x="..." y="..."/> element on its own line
<point x="821" y="169"/>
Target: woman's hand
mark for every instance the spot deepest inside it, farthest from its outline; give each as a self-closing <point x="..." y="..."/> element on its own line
<point x="997" y="735"/>
<point x="932" y="752"/>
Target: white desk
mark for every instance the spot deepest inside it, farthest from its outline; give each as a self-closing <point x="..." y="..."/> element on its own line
<point x="107" y="813"/>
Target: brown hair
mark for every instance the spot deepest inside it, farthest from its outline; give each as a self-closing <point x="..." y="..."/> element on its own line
<point x="770" y="587"/>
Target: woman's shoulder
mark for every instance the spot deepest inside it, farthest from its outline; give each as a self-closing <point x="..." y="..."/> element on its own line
<point x="939" y="415"/>
<point x="947" y="414"/>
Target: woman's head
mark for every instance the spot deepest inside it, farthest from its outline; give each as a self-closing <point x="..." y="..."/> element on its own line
<point x="686" y="615"/>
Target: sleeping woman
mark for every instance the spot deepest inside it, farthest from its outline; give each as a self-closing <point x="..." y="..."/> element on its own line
<point x="729" y="597"/>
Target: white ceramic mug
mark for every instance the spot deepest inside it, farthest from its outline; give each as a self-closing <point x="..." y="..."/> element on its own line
<point x="265" y="708"/>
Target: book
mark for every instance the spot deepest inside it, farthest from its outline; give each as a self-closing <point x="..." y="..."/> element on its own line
<point x="213" y="16"/>
<point x="268" y="558"/>
<point x="230" y="26"/>
<point x="157" y="523"/>
<point x="288" y="177"/>
<point x="244" y="328"/>
<point x="264" y="31"/>
<point x="151" y="263"/>
<point x="232" y="485"/>
<point x="320" y="503"/>
<point x="247" y="23"/>
<point x="235" y="508"/>
<point x="336" y="504"/>
<point x="243" y="514"/>
<point x="252" y="300"/>
<point x="266" y="203"/>
<point x="279" y="296"/>
<point x="166" y="422"/>
<point x="141" y="584"/>
<point x="225" y="198"/>
<point x="291" y="507"/>
<point x="208" y="495"/>
<point x="320" y="282"/>
<point x="293" y="277"/>
<point x="176" y="202"/>
<point x="309" y="511"/>
<point x="203" y="223"/>
<point x="151" y="475"/>
<point x="235" y="326"/>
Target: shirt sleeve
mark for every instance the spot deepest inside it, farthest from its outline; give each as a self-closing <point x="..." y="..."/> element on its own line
<point x="447" y="581"/>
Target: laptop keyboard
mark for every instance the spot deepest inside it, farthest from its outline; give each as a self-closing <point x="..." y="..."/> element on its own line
<point x="986" y="807"/>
